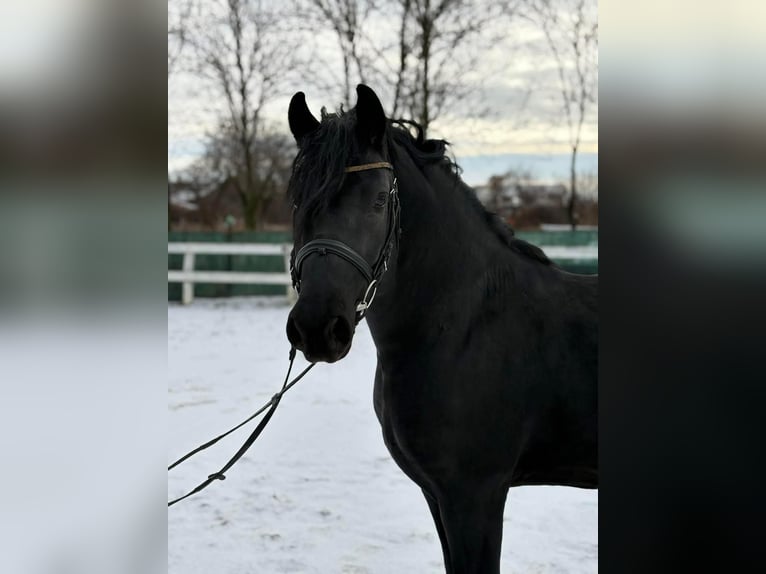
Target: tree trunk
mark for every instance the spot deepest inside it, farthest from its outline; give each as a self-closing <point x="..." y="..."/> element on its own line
<point x="572" y="206"/>
<point x="346" y="76"/>
<point x="404" y="50"/>
<point x="425" y="117"/>
<point x="251" y="212"/>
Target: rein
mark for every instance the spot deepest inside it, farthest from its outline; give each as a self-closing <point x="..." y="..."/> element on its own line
<point x="371" y="273"/>
<point x="273" y="403"/>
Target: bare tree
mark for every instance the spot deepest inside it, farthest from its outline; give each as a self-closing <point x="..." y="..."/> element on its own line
<point x="346" y="19"/>
<point x="179" y="12"/>
<point x="240" y="51"/>
<point x="440" y="44"/>
<point x="219" y="166"/>
<point x="424" y="57"/>
<point x="570" y="28"/>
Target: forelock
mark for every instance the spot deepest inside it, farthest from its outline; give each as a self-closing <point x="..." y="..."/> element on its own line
<point x="319" y="167"/>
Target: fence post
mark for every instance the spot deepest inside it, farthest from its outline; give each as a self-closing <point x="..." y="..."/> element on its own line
<point x="187" y="290"/>
<point x="292" y="296"/>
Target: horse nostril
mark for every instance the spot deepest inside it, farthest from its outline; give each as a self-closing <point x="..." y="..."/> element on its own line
<point x="293" y="334"/>
<point x="340" y="330"/>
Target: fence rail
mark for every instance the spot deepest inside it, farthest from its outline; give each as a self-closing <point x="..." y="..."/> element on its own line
<point x="188" y="276"/>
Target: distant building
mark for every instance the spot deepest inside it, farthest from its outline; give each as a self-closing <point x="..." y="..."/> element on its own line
<point x="504" y="194"/>
<point x="526" y="203"/>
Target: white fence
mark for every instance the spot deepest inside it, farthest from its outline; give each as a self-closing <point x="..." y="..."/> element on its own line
<point x="188" y="276"/>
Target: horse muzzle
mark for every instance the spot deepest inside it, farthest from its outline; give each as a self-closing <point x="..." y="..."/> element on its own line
<point x="321" y="338"/>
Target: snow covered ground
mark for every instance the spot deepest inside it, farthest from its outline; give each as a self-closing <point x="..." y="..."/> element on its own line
<point x="318" y="492"/>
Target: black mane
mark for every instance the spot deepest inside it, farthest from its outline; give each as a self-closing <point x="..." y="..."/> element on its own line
<point x="318" y="170"/>
<point x="428" y="151"/>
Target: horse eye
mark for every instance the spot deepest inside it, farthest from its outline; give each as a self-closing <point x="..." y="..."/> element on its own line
<point x="381" y="201"/>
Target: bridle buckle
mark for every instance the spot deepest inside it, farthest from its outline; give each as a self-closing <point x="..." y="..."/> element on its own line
<point x="364" y="304"/>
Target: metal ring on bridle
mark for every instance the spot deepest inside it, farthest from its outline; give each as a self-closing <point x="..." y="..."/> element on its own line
<point x="365" y="303"/>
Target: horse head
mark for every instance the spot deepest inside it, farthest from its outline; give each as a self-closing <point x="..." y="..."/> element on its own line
<point x="345" y="221"/>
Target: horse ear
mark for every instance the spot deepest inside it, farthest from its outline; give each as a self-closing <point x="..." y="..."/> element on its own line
<point x="370" y="117"/>
<point x="302" y="122"/>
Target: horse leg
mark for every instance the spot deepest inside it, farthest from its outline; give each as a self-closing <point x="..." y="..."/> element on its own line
<point x="493" y="541"/>
<point x="473" y="524"/>
<point x="434" y="506"/>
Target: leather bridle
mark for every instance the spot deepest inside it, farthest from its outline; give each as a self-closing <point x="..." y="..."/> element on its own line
<point x="371" y="273"/>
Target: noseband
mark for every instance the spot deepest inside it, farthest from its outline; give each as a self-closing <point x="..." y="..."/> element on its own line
<point x="372" y="274"/>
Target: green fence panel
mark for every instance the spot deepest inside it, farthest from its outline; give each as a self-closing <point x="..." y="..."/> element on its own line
<point x="239" y="237"/>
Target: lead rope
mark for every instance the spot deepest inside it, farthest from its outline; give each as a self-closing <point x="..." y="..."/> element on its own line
<point x="274" y="402"/>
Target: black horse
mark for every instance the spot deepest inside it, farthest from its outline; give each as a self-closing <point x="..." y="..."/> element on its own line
<point x="487" y="352"/>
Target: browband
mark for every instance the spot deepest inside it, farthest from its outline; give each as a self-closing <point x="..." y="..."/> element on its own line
<point x="366" y="166"/>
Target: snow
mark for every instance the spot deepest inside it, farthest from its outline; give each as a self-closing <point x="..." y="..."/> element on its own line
<point x="318" y="492"/>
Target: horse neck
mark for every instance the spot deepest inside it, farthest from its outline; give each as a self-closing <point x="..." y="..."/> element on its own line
<point x="442" y="232"/>
<point x="445" y="248"/>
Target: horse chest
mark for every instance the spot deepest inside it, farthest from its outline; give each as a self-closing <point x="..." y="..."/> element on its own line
<point x="435" y="426"/>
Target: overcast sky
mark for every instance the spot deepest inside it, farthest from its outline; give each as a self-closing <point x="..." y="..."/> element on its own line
<point x="518" y="86"/>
